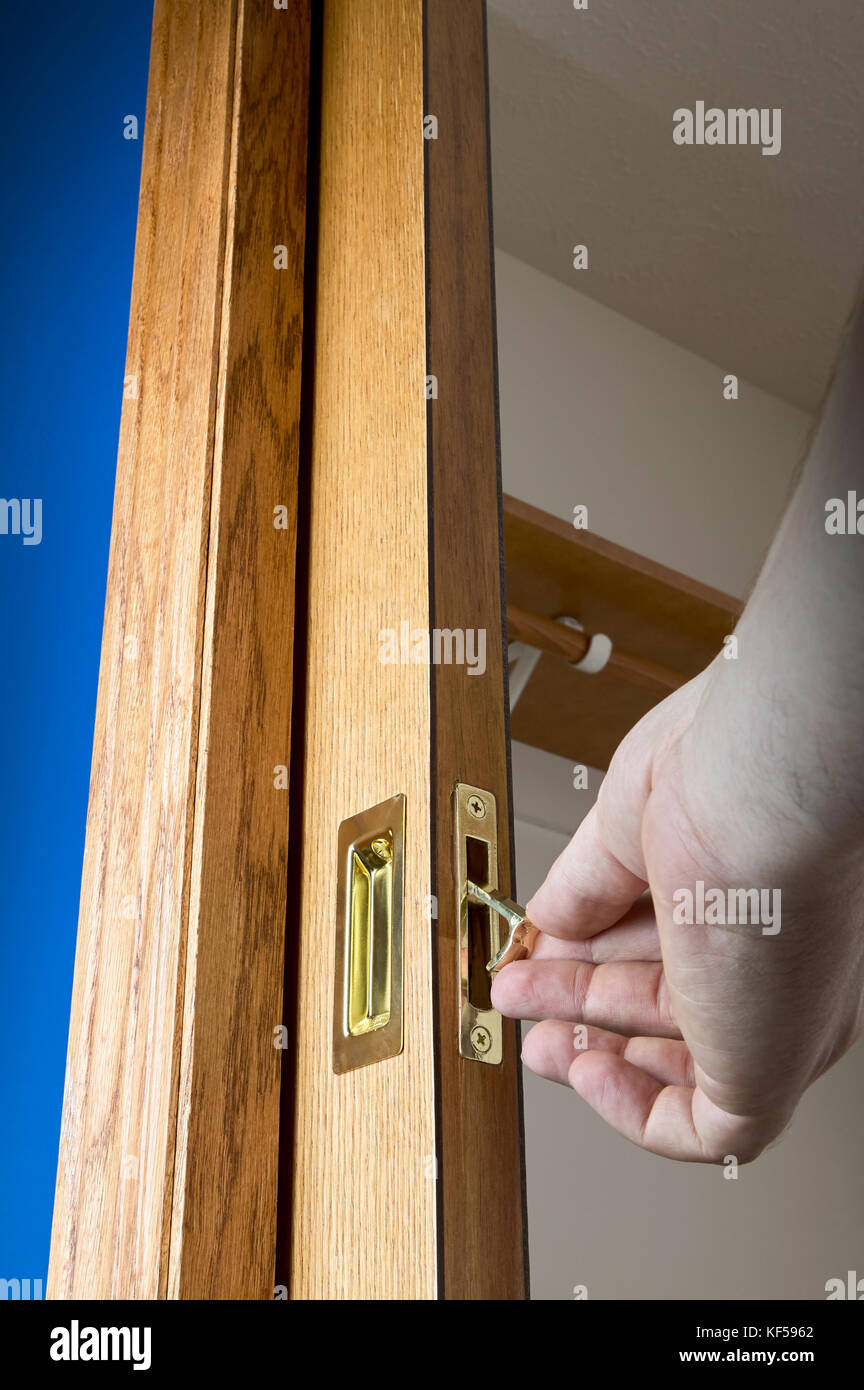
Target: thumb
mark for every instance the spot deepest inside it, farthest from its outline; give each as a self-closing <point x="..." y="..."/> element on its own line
<point x="587" y="889"/>
<point x="602" y="871"/>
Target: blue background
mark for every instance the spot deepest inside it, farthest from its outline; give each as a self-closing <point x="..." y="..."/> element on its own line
<point x="70" y="184"/>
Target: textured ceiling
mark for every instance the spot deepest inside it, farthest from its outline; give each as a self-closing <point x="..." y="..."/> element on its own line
<point x="750" y="261"/>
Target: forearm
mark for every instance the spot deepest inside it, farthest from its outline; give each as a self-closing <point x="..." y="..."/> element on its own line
<point x="792" y="700"/>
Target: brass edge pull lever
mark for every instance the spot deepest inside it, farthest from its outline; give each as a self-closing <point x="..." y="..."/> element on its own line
<point x="521" y="931"/>
<point x="492" y="930"/>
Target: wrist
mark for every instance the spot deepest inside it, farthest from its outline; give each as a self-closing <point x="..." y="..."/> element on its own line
<point x="753" y="765"/>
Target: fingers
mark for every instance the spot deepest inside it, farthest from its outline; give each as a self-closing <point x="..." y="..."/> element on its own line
<point x="643" y="1087"/>
<point x="586" y="890"/>
<point x="670" y="1120"/>
<point x="635" y="937"/>
<point x="624" y="996"/>
<point x="551" y="1048"/>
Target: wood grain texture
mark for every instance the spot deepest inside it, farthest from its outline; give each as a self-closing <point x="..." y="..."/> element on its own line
<point x="223" y="1234"/>
<point x="648" y="610"/>
<point x="482" y="1218"/>
<point x="363" y="1215"/>
<point x="178" y="962"/>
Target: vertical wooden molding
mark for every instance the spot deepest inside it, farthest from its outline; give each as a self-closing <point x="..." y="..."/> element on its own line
<point x="407" y="1177"/>
<point x="363" y="1216"/>
<point x="166" y="1181"/>
<point x="224" y="1221"/>
<point x="482" y="1220"/>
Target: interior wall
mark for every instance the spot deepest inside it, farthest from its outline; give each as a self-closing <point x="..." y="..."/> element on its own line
<point x="595" y="409"/>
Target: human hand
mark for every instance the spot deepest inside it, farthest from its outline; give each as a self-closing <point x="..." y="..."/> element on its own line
<point x="695" y="1040"/>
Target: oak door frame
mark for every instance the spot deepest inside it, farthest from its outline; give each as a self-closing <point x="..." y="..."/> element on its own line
<point x="169" y="1146"/>
<point x="483" y="1231"/>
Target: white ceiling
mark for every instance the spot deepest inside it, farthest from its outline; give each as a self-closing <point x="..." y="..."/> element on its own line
<point x="750" y="261"/>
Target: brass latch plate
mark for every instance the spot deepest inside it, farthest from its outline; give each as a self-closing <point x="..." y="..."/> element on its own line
<point x="479" y="937"/>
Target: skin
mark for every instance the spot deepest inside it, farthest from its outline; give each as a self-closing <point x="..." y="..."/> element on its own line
<point x="698" y="1041"/>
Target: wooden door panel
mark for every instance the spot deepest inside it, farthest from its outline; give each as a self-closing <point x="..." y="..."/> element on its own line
<point x="405" y="1176"/>
<point x="364" y="1142"/>
<point x="169" y="1147"/>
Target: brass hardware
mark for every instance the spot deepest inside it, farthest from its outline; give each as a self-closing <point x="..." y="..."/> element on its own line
<point x="493" y="930"/>
<point x="476" y="849"/>
<point x="481" y="1038"/>
<point x="521" y="931"/>
<point x="367" y="990"/>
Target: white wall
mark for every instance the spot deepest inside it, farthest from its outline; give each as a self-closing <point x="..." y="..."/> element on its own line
<point x="599" y="411"/>
<point x="595" y="409"/>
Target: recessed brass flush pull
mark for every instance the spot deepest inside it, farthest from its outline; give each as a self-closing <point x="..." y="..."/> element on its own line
<point x="367" y="995"/>
<point x="493" y="930"/>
